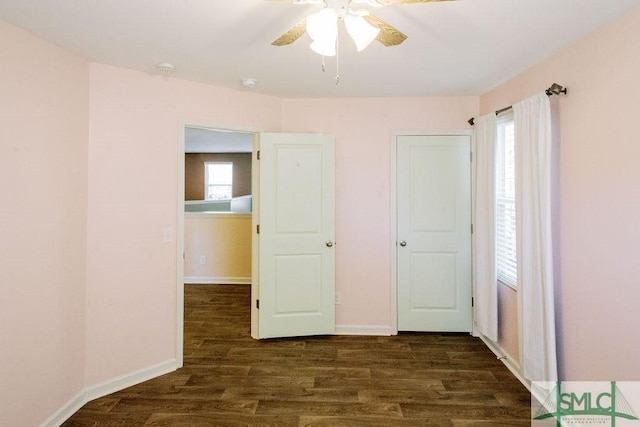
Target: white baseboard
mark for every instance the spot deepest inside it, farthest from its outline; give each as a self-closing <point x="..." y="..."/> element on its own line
<point x="108" y="387"/>
<point x="65" y="412"/>
<point x="211" y="280"/>
<point x="508" y="362"/>
<point x="363" y="330"/>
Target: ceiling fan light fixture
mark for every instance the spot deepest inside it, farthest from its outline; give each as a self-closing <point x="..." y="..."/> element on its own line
<point x="322" y="27"/>
<point x="360" y="30"/>
<point x="324" y="49"/>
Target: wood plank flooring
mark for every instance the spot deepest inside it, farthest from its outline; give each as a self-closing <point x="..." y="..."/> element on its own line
<point x="229" y="379"/>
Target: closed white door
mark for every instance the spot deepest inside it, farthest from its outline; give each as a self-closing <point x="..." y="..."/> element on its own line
<point x="434" y="233"/>
<point x="296" y="216"/>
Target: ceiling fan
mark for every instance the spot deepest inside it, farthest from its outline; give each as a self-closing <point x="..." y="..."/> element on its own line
<point x="362" y="26"/>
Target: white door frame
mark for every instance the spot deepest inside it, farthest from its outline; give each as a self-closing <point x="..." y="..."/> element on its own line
<point x="393" y="295"/>
<point x="179" y="234"/>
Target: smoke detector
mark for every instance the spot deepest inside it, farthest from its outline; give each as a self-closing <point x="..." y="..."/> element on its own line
<point x="166" y="68"/>
<point x="249" y="82"/>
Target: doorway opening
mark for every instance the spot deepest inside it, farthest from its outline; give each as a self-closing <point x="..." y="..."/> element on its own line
<point x="214" y="242"/>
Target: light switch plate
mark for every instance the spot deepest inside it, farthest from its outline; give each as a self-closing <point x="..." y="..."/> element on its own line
<point x="167" y="235"/>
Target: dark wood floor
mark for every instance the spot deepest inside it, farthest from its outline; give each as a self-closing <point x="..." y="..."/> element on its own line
<point x="229" y="379"/>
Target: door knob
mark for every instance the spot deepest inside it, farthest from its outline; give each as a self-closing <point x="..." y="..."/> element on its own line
<point x="329" y="244"/>
<point x="403" y="243"/>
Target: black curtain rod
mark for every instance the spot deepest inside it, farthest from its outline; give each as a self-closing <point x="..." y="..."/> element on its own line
<point x="555" y="89"/>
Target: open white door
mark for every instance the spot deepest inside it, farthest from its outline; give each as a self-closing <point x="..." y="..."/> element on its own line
<point x="434" y="233"/>
<point x="294" y="293"/>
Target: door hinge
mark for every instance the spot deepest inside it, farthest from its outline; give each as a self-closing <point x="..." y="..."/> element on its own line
<point x="472" y="302"/>
<point x="258" y="304"/>
<point x="471" y="156"/>
<point x="258" y="155"/>
<point x="471" y="228"/>
<point x="258" y="229"/>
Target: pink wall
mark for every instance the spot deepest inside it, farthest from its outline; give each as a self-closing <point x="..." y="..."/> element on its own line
<point x="508" y="339"/>
<point x="363" y="130"/>
<point x="599" y="212"/>
<point x="43" y="188"/>
<point x="131" y="276"/>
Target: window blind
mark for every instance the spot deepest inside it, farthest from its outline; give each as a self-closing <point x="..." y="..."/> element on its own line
<point x="506" y="264"/>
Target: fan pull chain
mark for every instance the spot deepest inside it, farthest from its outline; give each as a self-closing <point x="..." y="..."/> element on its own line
<point x="337" y="61"/>
<point x="323" y="67"/>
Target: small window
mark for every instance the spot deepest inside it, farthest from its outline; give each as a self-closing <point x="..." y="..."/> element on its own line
<point x="506" y="263"/>
<point x="218" y="181"/>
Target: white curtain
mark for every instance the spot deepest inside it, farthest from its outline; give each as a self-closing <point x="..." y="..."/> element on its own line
<point x="484" y="218"/>
<point x="532" y="119"/>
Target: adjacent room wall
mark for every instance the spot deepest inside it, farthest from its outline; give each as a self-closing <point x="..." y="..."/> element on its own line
<point x="43" y="218"/>
<point x="131" y="275"/>
<point x="363" y="129"/>
<point x="598" y="227"/>
<point x="224" y="240"/>
<point x="194" y="173"/>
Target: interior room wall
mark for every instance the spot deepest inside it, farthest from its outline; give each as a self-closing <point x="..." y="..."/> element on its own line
<point x="598" y="224"/>
<point x="225" y="243"/>
<point x="194" y="173"/>
<point x="363" y="130"/>
<point x="131" y="274"/>
<point x="43" y="186"/>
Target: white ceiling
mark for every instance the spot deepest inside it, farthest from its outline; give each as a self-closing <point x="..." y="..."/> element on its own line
<point x="203" y="140"/>
<point x="454" y="48"/>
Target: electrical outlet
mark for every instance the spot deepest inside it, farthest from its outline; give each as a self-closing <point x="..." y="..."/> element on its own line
<point x="203" y="259"/>
<point x="338" y="298"/>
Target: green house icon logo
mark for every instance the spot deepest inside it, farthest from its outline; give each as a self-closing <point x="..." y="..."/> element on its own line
<point x="587" y="405"/>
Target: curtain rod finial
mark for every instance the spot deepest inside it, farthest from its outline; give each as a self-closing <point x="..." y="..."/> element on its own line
<point x="556" y="89"/>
